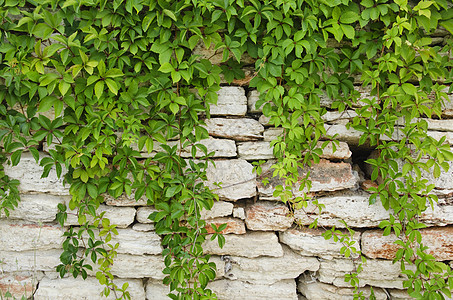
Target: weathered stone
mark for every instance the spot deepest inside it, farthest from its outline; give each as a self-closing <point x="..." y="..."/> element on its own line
<point x="234" y="289"/>
<point x="252" y="97"/>
<point x="438" y="239"/>
<point x="143" y="227"/>
<point x="441" y="215"/>
<point x="239" y="212"/>
<point x="19" y="285"/>
<point x="122" y="217"/>
<point x="234" y="226"/>
<point x="310" y="242"/>
<point x="143" y="213"/>
<point x="20" y="236"/>
<point x="36" y="208"/>
<point x="269" y="269"/>
<point x="236" y="129"/>
<point x="437" y="135"/>
<point x="315" y="290"/>
<point x="28" y="172"/>
<point x="79" y="289"/>
<point x="325" y="176"/>
<point x="124" y="200"/>
<point x="156" y="290"/>
<point x="268" y="216"/>
<point x="350" y="136"/>
<point x="336" y="117"/>
<point x="236" y="178"/>
<point x="396" y="294"/>
<point x="272" y="133"/>
<point x="440" y="125"/>
<point x="341" y="152"/>
<point x="219" y="209"/>
<point x="352" y="208"/>
<point x="43" y="260"/>
<point x="379" y="273"/>
<point x="255" y="150"/>
<point x="137" y="242"/>
<point x="252" y="244"/>
<point x="138" y="266"/>
<point x="447" y="106"/>
<point x="231" y="102"/>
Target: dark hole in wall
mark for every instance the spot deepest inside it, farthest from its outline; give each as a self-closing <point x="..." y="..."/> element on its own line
<point x="359" y="156"/>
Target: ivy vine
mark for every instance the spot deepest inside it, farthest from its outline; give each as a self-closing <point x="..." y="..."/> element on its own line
<point x="97" y="81"/>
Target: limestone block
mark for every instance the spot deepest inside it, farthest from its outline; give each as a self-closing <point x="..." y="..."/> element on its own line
<point x="124" y="200"/>
<point x="268" y="216"/>
<point x="252" y="97"/>
<point x="272" y="133"/>
<point x="310" y="242"/>
<point x="252" y="244"/>
<point x="447" y="107"/>
<point x="269" y="269"/>
<point x="122" y="217"/>
<point x="350" y="136"/>
<point x="20" y="236"/>
<point x="439" y="134"/>
<point x="441" y="215"/>
<point x="28" y="172"/>
<point x="236" y="178"/>
<point x="255" y="150"/>
<point x="19" y="285"/>
<point x="315" y="290"/>
<point x="341" y="152"/>
<point x="235" y="289"/>
<point x="234" y="226"/>
<point x="143" y="213"/>
<point x="396" y="294"/>
<point x="138" y="266"/>
<point x="37" y="208"/>
<point x="79" y="289"/>
<point x="219" y="209"/>
<point x="438" y="239"/>
<point x="231" y="102"/>
<point x="42" y="260"/>
<point x="336" y="117"/>
<point x="440" y="125"/>
<point x="352" y="208"/>
<point x="379" y="273"/>
<point x="239" y="212"/>
<point x="156" y="290"/>
<point x="137" y="242"/>
<point x="236" y="129"/>
<point x="143" y="227"/>
<point x="325" y="176"/>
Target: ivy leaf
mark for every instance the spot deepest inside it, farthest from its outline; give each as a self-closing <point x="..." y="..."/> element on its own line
<point x="349" y="17"/>
<point x="99" y="88"/>
<point x="111" y="84"/>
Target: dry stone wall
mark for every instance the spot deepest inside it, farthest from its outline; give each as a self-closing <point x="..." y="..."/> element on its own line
<point x="269" y="253"/>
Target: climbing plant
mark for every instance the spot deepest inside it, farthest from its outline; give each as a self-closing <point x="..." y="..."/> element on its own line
<point x="97" y="81"/>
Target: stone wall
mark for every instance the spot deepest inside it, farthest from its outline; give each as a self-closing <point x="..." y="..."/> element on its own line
<point x="266" y="256"/>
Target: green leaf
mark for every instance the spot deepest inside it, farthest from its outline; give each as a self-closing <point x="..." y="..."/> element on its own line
<point x="99" y="89"/>
<point x="349" y="17"/>
<point x="111" y="84"/>
<point x="47" y="103"/>
<point x="447" y="25"/>
<point x="166" y="68"/>
<point x="170" y="14"/>
<point x="409" y="89"/>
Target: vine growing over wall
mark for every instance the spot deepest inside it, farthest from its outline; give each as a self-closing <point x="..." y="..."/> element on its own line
<point x="95" y="81"/>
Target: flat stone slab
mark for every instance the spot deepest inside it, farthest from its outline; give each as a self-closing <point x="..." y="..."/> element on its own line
<point x="231" y="102"/>
<point x="122" y="217"/>
<point x="30" y="260"/>
<point x="37" y="207"/>
<point x="255" y="150"/>
<point x="219" y="209"/>
<point x="235" y="289"/>
<point x="268" y="216"/>
<point x="236" y="129"/>
<point x="234" y="225"/>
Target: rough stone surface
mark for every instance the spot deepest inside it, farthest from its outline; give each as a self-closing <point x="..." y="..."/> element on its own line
<point x="315" y="290"/>
<point x="438" y="239"/>
<point x="439" y="134"/>
<point x="379" y="273"/>
<point x="143" y="213"/>
<point x="79" y="289"/>
<point x="255" y="150"/>
<point x="234" y="226"/>
<point x="342" y="151"/>
<point x="143" y="227"/>
<point x="252" y="97"/>
<point x="44" y="260"/>
<point x="325" y="176"/>
<point x="19" y="284"/>
<point x="350" y="136"/>
<point x="269" y="269"/>
<point x="396" y="294"/>
<point x="235" y="289"/>
<point x="231" y="102"/>
<point x="137" y="242"/>
<point x="252" y="244"/>
<point x="156" y="290"/>
<point x="28" y="172"/>
<point x="268" y="216"/>
<point x="239" y="212"/>
<point x="236" y="178"/>
<point x="352" y="208"/>
<point x="19" y="236"/>
<point x="138" y="266"/>
<point x="124" y="201"/>
<point x="336" y="117"/>
<point x="271" y="134"/>
<point x="121" y="216"/>
<point x="37" y="208"/>
<point x="236" y="129"/>
<point x="310" y="242"/>
<point x="219" y="209"/>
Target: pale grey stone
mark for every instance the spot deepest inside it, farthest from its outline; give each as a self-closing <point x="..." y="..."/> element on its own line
<point x="124" y="200"/>
<point x="21" y="236"/>
<point x="143" y="227"/>
<point x="310" y="242"/>
<point x="236" y="129"/>
<point x="437" y="135"/>
<point x="239" y="212"/>
<point x="336" y="116"/>
<point x="396" y="294"/>
<point x="255" y="150"/>
<point x="156" y="290"/>
<point x="122" y="217"/>
<point x="143" y="213"/>
<point x="28" y="172"/>
<point x="20" y="285"/>
<point x="219" y="209"/>
<point x="236" y="178"/>
<point x="252" y="97"/>
<point x="37" y="208"/>
<point x="265" y="121"/>
<point x="341" y="152"/>
<point x="220" y="147"/>
<point x="268" y="216"/>
<point x="138" y="266"/>
<point x="269" y="269"/>
<point x="79" y="289"/>
<point x="252" y="244"/>
<point x="137" y="242"/>
<point x="350" y="136"/>
<point x="231" y="102"/>
<point x="272" y="133"/>
<point x="235" y="289"/>
<point x="315" y="290"/>
<point x="42" y="260"/>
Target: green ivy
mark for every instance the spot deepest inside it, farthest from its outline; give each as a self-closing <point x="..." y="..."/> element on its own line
<point x="97" y="81"/>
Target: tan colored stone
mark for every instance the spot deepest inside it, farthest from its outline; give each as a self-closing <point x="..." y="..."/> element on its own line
<point x="138" y="266"/>
<point x="336" y="117"/>
<point x="122" y="217"/>
<point x="143" y="227"/>
<point x="252" y="97"/>
<point x="236" y="129"/>
<point x="156" y="290"/>
<point x="272" y="133"/>
<point x="20" y="236"/>
<point x="143" y="213"/>
<point x="239" y="212"/>
<point x="231" y="102"/>
<point x="42" y="260"/>
<point x="219" y="209"/>
<point x="350" y="136"/>
<point x="234" y="226"/>
<point x="236" y="178"/>
<point x="137" y="242"/>
<point x="268" y="216"/>
<point x="18" y="285"/>
<point x="341" y="152"/>
<point x="399" y="294"/>
<point x="255" y="150"/>
<point x="37" y="208"/>
<point x="310" y="242"/>
<point x="252" y="244"/>
<point x="235" y="289"/>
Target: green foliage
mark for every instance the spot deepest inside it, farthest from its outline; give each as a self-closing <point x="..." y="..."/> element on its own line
<point x="98" y="80"/>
